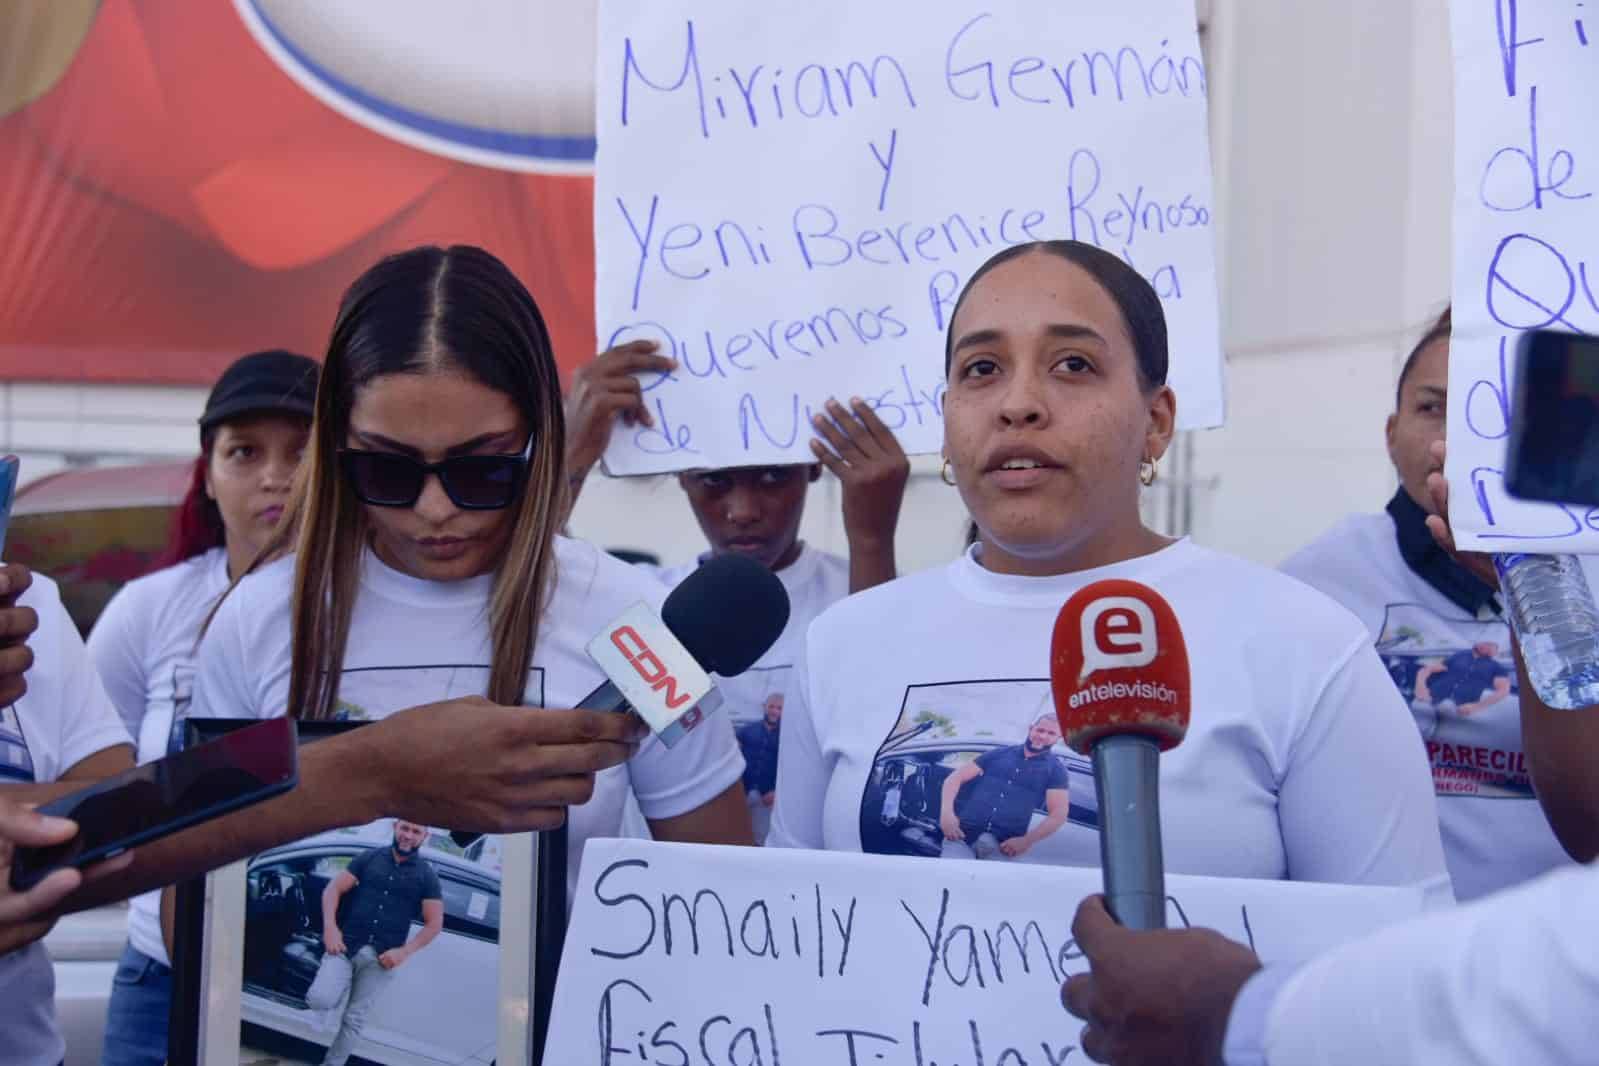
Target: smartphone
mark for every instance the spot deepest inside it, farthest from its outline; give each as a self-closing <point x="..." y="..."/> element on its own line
<point x="160" y="798"/>
<point x="8" y="492"/>
<point x="1552" y="452"/>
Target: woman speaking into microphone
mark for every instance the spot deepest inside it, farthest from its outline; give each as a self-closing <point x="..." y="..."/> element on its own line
<point x="422" y="555"/>
<point x="1298" y="762"/>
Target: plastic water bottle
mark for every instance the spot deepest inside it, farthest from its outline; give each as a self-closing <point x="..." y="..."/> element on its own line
<point x="1557" y="624"/>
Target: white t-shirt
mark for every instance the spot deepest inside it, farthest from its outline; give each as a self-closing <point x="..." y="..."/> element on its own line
<point x="1510" y="978"/>
<point x="143" y="646"/>
<point x="1297" y="763"/>
<point x="814" y="582"/>
<point x="413" y="642"/>
<point x="1494" y="832"/>
<point x="62" y="719"/>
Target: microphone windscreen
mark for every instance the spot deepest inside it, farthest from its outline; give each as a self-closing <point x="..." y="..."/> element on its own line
<point x="728" y="613"/>
<point x="1118" y="664"/>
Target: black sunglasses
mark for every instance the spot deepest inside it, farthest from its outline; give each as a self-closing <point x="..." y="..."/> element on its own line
<point x="472" y="482"/>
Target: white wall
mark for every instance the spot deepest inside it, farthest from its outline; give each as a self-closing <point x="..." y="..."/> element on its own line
<point x="1332" y="140"/>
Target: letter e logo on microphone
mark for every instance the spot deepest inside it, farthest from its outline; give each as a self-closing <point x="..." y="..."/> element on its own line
<point x="1118" y="664"/>
<point x="1118" y="631"/>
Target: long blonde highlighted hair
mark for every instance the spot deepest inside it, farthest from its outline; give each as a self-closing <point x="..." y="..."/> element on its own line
<point x="421" y="311"/>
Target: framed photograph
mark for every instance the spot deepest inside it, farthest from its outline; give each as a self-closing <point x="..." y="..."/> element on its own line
<point x="430" y="958"/>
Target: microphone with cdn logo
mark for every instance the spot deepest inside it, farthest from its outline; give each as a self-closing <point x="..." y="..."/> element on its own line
<point x="1118" y="671"/>
<point x="720" y="619"/>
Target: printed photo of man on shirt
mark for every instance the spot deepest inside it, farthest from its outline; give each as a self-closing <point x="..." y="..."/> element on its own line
<point x="988" y="804"/>
<point x="1466" y="682"/>
<point x="758" y="740"/>
<point x="1461" y="684"/>
<point x="975" y="769"/>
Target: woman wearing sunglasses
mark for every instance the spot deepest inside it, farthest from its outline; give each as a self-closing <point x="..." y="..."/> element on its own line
<point x="252" y="431"/>
<point x="426" y="562"/>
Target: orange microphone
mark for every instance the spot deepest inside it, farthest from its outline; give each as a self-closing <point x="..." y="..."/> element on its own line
<point x="1118" y="669"/>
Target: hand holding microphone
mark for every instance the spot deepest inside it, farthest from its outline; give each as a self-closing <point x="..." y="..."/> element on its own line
<point x="1119" y="676"/>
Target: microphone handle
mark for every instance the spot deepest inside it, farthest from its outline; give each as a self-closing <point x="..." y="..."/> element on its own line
<point x="1127" y="782"/>
<point x="549" y="902"/>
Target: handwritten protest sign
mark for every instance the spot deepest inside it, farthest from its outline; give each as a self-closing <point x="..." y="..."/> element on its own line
<point x="1526" y="244"/>
<point x="736" y="956"/>
<point x="789" y="197"/>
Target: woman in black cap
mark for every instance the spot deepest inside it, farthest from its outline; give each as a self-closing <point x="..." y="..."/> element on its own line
<point x="254" y="427"/>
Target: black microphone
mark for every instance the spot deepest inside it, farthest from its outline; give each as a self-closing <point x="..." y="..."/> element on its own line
<point x="726" y="614"/>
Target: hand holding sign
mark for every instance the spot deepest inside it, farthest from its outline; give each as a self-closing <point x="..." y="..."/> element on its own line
<point x="603" y="392"/>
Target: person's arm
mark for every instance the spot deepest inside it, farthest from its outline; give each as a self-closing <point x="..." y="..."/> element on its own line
<point x="1562" y="746"/>
<point x="332" y="935"/>
<point x="1510" y="978"/>
<point x="869" y="462"/>
<point x="117" y="648"/>
<point x="97" y="767"/>
<point x="723" y="820"/>
<point x="603" y="391"/>
<point x="1501" y="689"/>
<point x="1059" y="804"/>
<point x="1423" y="692"/>
<point x="464" y="762"/>
<point x="432" y="925"/>
<point x="1562" y="752"/>
<point x="948" y="820"/>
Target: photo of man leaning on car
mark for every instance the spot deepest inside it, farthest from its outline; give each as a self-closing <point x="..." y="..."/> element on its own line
<point x="367" y="911"/>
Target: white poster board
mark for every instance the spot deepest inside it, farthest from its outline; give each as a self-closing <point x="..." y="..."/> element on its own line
<point x="1526" y="244"/>
<point x="789" y="197"/>
<point x="679" y="953"/>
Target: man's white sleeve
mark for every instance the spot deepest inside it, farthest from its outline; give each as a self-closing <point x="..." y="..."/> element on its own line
<point x="1512" y="978"/>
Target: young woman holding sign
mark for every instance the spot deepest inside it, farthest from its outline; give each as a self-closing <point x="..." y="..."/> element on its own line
<point x="425" y="559"/>
<point x="756" y="511"/>
<point x="1443" y="636"/>
<point x="1296" y="763"/>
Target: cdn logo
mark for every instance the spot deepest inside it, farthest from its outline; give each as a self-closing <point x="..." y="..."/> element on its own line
<point x="1118" y="632"/>
<point x="648" y="665"/>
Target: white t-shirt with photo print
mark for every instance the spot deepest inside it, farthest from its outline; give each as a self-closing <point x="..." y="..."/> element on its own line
<point x="814" y="581"/>
<point x="143" y="645"/>
<point x="1298" y="762"/>
<point x="1494" y="832"/>
<point x="62" y="719"/>
<point x="413" y="642"/>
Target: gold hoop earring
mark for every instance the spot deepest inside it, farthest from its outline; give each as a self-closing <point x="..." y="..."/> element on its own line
<point x="946" y="474"/>
<point x="1147" y="472"/>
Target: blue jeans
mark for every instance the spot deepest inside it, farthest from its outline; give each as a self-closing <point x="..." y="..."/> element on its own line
<point x="136" y="1024"/>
